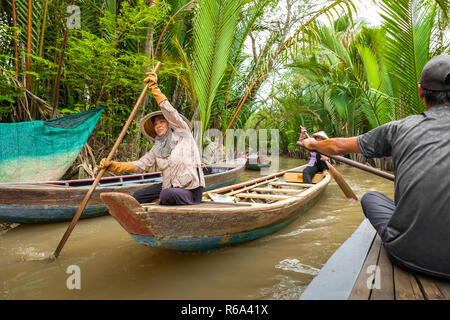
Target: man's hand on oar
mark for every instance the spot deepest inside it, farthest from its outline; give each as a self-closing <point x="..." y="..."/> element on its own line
<point x="307" y="143"/>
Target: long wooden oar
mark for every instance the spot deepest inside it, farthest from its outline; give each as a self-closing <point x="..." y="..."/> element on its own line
<point x="363" y="167"/>
<point x="338" y="178"/>
<point x="102" y="171"/>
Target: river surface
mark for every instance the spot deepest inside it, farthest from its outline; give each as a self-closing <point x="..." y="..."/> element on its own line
<point x="113" y="266"/>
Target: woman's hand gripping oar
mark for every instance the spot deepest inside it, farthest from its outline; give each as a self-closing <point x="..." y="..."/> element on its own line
<point x="337" y="177"/>
<point x="102" y="171"/>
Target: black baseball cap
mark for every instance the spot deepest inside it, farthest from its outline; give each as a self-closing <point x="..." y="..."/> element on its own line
<point x="436" y="74"/>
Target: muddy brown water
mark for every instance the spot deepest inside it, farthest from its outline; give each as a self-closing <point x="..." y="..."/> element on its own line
<point x="113" y="266"/>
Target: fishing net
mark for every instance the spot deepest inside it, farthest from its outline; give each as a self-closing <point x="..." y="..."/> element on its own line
<point x="43" y="150"/>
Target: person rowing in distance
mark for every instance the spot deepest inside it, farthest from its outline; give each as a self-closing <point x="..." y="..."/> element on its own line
<point x="415" y="226"/>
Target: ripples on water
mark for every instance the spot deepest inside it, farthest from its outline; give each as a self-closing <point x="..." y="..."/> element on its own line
<point x="114" y="266"/>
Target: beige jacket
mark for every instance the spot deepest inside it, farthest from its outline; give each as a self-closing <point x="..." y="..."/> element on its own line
<point x="182" y="168"/>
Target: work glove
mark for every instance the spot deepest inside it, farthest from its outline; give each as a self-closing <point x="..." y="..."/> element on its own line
<point x="152" y="81"/>
<point x="116" y="167"/>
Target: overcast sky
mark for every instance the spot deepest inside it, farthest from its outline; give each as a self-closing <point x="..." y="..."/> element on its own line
<point x="368" y="11"/>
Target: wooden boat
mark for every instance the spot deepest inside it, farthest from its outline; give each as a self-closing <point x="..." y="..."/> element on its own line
<point x="257" y="166"/>
<point x="55" y="201"/>
<point x="253" y="164"/>
<point x="361" y="270"/>
<point x="263" y="206"/>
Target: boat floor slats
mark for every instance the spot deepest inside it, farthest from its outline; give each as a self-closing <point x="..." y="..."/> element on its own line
<point x="395" y="283"/>
<point x="385" y="281"/>
<point x="232" y="193"/>
<point x="292" y="184"/>
<point x="361" y="291"/>
<point x="406" y="287"/>
<point x="377" y="278"/>
<point x="261" y="196"/>
<point x="277" y="190"/>
<point x="204" y="204"/>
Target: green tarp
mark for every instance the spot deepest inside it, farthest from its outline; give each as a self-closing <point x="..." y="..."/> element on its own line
<point x="43" y="150"/>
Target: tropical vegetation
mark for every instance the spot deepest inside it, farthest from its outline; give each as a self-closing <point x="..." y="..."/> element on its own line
<point x="226" y="63"/>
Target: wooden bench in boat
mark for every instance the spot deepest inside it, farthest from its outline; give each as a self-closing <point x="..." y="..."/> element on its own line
<point x="361" y="270"/>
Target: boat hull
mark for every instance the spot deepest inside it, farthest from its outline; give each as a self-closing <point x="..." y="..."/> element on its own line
<point x="216" y="242"/>
<point x="211" y="225"/>
<point x="39" y="203"/>
<point x="257" y="166"/>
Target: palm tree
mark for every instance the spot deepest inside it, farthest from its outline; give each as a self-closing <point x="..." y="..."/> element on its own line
<point x="409" y="26"/>
<point x="213" y="34"/>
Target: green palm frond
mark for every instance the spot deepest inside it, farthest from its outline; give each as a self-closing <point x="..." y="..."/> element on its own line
<point x="409" y="25"/>
<point x="213" y="34"/>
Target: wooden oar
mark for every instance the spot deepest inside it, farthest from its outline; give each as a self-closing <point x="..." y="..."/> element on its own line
<point x="362" y="167"/>
<point x="338" y="178"/>
<point x="102" y="171"/>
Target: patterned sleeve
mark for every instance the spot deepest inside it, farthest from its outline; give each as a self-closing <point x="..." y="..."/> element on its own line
<point x="172" y="116"/>
<point x="145" y="162"/>
<point x="377" y="142"/>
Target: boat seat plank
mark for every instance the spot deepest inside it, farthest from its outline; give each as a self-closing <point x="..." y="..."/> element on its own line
<point x="203" y="204"/>
<point x="385" y="291"/>
<point x="429" y="288"/>
<point x="361" y="290"/>
<point x="406" y="287"/>
<point x="444" y="287"/>
<point x="292" y="184"/>
<point x="277" y="190"/>
<point x="232" y="193"/>
<point x="261" y="196"/>
<point x="377" y="278"/>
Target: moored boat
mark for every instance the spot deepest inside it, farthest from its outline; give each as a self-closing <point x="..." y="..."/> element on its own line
<point x="257" y="208"/>
<point x="257" y="166"/>
<point x="56" y="201"/>
<point x="255" y="162"/>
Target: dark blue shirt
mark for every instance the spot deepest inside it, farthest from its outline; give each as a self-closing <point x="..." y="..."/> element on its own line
<point x="418" y="233"/>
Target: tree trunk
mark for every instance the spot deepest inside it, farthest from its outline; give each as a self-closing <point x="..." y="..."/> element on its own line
<point x="61" y="60"/>
<point x="142" y="110"/>
<point x="28" y="76"/>
<point x="16" y="52"/>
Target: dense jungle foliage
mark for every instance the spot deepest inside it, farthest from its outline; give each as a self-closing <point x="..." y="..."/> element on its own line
<point x="282" y="64"/>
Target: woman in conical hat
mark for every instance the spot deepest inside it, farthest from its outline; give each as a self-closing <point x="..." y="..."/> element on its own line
<point x="316" y="162"/>
<point x="174" y="151"/>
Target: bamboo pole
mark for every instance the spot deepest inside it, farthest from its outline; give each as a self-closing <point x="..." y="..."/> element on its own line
<point x="102" y="171"/>
<point x="16" y="53"/>
<point x="28" y="76"/>
<point x="61" y="59"/>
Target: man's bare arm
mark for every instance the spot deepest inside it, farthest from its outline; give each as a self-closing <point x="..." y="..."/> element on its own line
<point x="334" y="146"/>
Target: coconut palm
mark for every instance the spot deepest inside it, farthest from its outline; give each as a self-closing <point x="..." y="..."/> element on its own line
<point x="409" y="26"/>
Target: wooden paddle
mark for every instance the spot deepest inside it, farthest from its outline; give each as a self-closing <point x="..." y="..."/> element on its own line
<point x="338" y="178"/>
<point x="363" y="167"/>
<point x="102" y="171"/>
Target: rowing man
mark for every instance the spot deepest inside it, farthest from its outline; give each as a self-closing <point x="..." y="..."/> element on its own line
<point x="174" y="151"/>
<point x="415" y="227"/>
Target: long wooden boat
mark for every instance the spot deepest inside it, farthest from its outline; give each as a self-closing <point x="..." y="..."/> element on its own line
<point x="252" y="164"/>
<point x="257" y="166"/>
<point x="262" y="206"/>
<point x="361" y="270"/>
<point x="56" y="201"/>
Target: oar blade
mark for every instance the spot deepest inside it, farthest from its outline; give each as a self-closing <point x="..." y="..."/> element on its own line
<point x="341" y="182"/>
